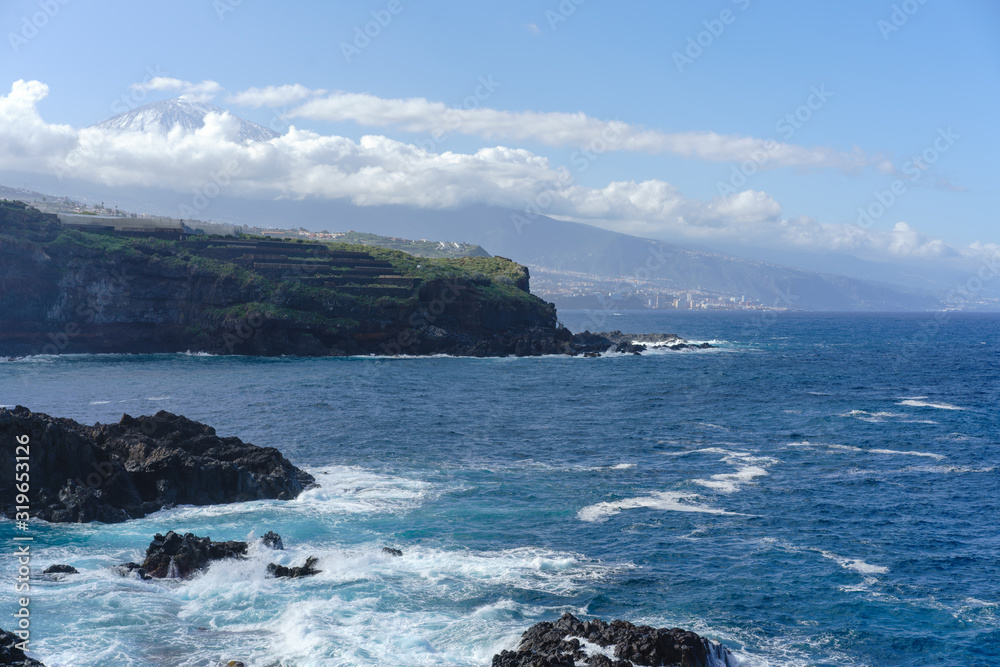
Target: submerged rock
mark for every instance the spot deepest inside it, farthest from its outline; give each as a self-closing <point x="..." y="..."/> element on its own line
<point x="11" y="655"/>
<point x="115" y="472"/>
<point x="178" y="557"/>
<point x="307" y="570"/>
<point x="131" y="570"/>
<point x="570" y="642"/>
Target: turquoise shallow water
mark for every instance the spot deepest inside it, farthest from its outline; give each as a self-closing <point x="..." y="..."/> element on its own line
<point x="818" y="490"/>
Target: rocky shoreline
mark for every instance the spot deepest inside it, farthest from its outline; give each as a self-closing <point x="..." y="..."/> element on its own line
<point x="570" y="642"/>
<point x="116" y="472"/>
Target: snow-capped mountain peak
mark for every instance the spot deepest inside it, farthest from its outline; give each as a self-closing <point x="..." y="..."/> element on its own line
<point x="189" y="115"/>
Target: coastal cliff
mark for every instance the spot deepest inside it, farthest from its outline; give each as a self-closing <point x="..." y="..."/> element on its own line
<point x="66" y="290"/>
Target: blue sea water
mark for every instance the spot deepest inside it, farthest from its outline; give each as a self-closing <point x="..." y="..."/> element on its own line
<point x="819" y="489"/>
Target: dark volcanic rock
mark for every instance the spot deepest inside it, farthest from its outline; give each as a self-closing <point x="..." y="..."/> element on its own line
<point x="11" y="655"/>
<point x="181" y="556"/>
<point x="588" y="342"/>
<point x="306" y="570"/>
<point x="389" y="551"/>
<point x="559" y="645"/>
<point x="628" y="347"/>
<point x="273" y="540"/>
<point x="115" y="472"/>
<point x="60" y="569"/>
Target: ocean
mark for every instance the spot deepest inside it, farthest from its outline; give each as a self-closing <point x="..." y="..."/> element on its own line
<point x="817" y="489"/>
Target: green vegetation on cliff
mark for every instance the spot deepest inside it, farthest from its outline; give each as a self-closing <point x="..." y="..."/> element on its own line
<point x="138" y="293"/>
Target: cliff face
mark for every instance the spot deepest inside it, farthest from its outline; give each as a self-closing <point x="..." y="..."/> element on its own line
<point x="69" y="291"/>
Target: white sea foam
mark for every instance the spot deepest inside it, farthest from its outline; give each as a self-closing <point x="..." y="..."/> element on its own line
<point x="352" y="490"/>
<point x="748" y="467"/>
<point x="100" y="402"/>
<point x="882" y="416"/>
<point x="666" y="501"/>
<point x="851" y="448"/>
<point x="854" y="564"/>
<point x="919" y="402"/>
<point x="342" y="490"/>
<point x="357" y="610"/>
<point x="703" y="450"/>
<point x="711" y="425"/>
<point x="34" y="359"/>
<point x="616" y="466"/>
<point x="732" y="482"/>
<point x="592" y="650"/>
<point x="663" y="349"/>
<point x="891" y="452"/>
<point x="959" y="470"/>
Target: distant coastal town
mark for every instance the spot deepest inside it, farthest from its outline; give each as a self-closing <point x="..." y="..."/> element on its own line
<point x="571" y="290"/>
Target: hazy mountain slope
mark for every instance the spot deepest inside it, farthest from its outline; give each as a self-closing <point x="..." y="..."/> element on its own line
<point x="569" y="246"/>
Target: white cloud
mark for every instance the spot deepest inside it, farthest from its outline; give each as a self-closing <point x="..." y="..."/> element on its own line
<point x="566" y="129"/>
<point x="27" y="142"/>
<point x="273" y="96"/>
<point x="378" y="170"/>
<point x="199" y="92"/>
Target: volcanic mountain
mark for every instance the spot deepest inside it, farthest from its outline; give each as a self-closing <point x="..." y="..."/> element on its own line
<point x="188" y="114"/>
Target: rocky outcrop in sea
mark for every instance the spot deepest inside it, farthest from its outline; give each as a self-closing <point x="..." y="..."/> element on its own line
<point x="570" y="642"/>
<point x="176" y="556"/>
<point x="115" y="472"/>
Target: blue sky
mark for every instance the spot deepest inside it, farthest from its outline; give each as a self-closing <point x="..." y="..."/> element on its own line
<point x="888" y="89"/>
